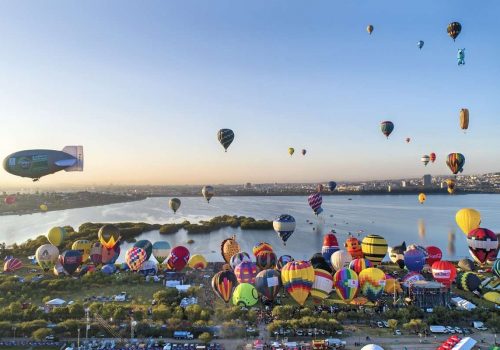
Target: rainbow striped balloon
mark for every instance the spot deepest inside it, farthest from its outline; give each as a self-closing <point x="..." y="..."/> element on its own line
<point x="346" y="283"/>
<point x="298" y="279"/>
<point x="360" y="264"/>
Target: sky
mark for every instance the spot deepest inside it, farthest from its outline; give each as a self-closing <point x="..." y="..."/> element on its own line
<point x="145" y="85"/>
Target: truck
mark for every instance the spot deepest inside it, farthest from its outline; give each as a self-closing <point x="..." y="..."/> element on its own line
<point x="183" y="335"/>
<point x="479" y="326"/>
<point x="335" y="343"/>
<point x="438" y="329"/>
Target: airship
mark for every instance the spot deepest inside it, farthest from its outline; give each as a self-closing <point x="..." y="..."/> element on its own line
<point x="41" y="162"/>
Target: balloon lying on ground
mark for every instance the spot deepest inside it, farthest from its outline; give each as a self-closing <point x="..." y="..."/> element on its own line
<point x="46" y="255"/>
<point x="108" y="269"/>
<point x="412" y="277"/>
<point x="466" y="265"/>
<point x="494" y="297"/>
<point x="468" y="281"/>
<point x="12" y="264"/>
<point x="298" y="278"/>
<point x="496" y="267"/>
<point x="268" y="283"/>
<point x="245" y="295"/>
<point x="346" y="283"/>
<point x="223" y="284"/>
<point x="374" y="248"/>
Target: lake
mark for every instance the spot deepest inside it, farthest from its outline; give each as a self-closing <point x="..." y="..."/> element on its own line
<point x="396" y="217"/>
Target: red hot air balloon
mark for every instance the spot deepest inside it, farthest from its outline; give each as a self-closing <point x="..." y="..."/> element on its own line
<point x="444" y="272"/>
<point x="433" y="157"/>
<point x="12" y="264"/>
<point x="330" y="246"/>
<point x="353" y="247"/>
<point x="483" y="245"/>
<point x="178" y="259"/>
<point x="10" y="199"/>
<point x="70" y="260"/>
<point x="433" y="254"/>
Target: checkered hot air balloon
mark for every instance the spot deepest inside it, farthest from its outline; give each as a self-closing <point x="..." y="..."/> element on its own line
<point x="483" y="245"/>
<point x="284" y="225"/>
<point x="315" y="200"/>
<point x="245" y="272"/>
<point x="346" y="283"/>
<point x="135" y="257"/>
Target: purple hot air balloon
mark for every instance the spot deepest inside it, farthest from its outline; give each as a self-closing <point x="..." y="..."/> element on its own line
<point x="315" y="200"/>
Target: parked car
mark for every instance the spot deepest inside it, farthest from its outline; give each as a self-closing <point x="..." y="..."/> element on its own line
<point x="380" y="324"/>
<point x="397" y="332"/>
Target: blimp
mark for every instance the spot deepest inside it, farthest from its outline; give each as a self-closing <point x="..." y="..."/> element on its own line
<point x="41" y="162"/>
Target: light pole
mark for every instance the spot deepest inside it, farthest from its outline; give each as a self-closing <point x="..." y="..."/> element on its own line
<point x="14" y="329"/>
<point x="78" y="341"/>
<point x="87" y="315"/>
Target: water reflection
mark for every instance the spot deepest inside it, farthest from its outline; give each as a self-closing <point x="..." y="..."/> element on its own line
<point x="421" y="229"/>
<point x="451" y="243"/>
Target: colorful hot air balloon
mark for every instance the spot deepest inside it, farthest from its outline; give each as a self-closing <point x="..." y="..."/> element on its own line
<point x="374" y="248"/>
<point x="245" y="272"/>
<point x="396" y="254"/>
<point x="223" y="284"/>
<point x="96" y="253"/>
<point x="359" y="264"/>
<point x="197" y="262"/>
<point x="464" y="119"/>
<point x="468" y="281"/>
<point x="266" y="260"/>
<point x="83" y="246"/>
<point x="161" y="251"/>
<point x="454" y="29"/>
<point x="330" y="245"/>
<point x="304" y="152"/>
<point x="282" y="261"/>
<point x="10" y="199"/>
<point x="46" y="255"/>
<point x="207" y="192"/>
<point x="146" y="245"/>
<point x="421" y="198"/>
<point x="468" y="219"/>
<point x="238" y="258"/>
<point x="353" y="247"/>
<point x="323" y="284"/>
<point x="148" y="268"/>
<point x="135" y="257"/>
<point x="229" y="247"/>
<point x="466" y="264"/>
<point x="245" y="295"/>
<point x="432" y="157"/>
<point x="56" y="236"/>
<point x="178" y="259"/>
<point x="496" y="267"/>
<point x="174" y="204"/>
<point x="346" y="284"/>
<point x="108" y="235"/>
<point x="420" y="44"/>
<point x="284" y="225"/>
<point x="444" y="272"/>
<point x="414" y="260"/>
<point x="315" y="200"/>
<point x="340" y="259"/>
<point x="386" y="127"/>
<point x="455" y="162"/>
<point x="425" y="159"/>
<point x="291" y="151"/>
<point x="412" y="277"/>
<point x="483" y="245"/>
<point x="70" y="260"/>
<point x="261" y="247"/>
<point x="298" y="279"/>
<point x="451" y="185"/>
<point x="12" y="264"/>
<point x="369" y="29"/>
<point x="225" y="137"/>
<point x="332" y="185"/>
<point x="372" y="283"/>
<point x="433" y="254"/>
<point x="110" y="255"/>
<point x="268" y="283"/>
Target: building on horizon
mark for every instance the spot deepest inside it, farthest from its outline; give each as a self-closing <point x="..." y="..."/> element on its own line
<point x="427" y="180"/>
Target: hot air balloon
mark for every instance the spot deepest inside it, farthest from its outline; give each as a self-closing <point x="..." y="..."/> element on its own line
<point x="455" y="162"/>
<point x="135" y="257"/>
<point x="44" y="208"/>
<point x="245" y="295"/>
<point x="46" y="255"/>
<point x="197" y="262"/>
<point x="412" y="277"/>
<point x="494" y="297"/>
<point x="161" y="251"/>
<point x="433" y="157"/>
<point x="298" y="279"/>
<point x="245" y="272"/>
<point x="420" y="44"/>
<point x="108" y="235"/>
<point x="407" y="140"/>
<point x="59" y="269"/>
<point x="108" y="269"/>
<point x="332" y="185"/>
<point x="266" y="260"/>
<point x="95" y="254"/>
<point x="461" y="57"/>
<point x="261" y="247"/>
<point x="454" y="29"/>
<point x="359" y="264"/>
<point x="369" y="29"/>
<point x="318" y="262"/>
<point x="372" y="347"/>
<point x="433" y="254"/>
<point x="70" y="260"/>
<point x="392" y="285"/>
<point x="83" y="246"/>
<point x="464" y="119"/>
<point x="425" y="159"/>
<point x="174" y="204"/>
<point x="110" y="255"/>
<point x="386" y="127"/>
<point x="414" y="260"/>
<point x="483" y="245"/>
<point x="422" y="198"/>
<point x="466" y="264"/>
<point x="340" y="259"/>
<point x="148" y="268"/>
<point x="468" y="281"/>
<point x="444" y="272"/>
<point x="346" y="284"/>
<point x="229" y="247"/>
<point x="146" y="245"/>
<point x="353" y="247"/>
<point x="315" y="200"/>
<point x="225" y="137"/>
<point x="56" y="235"/>
<point x="323" y="284"/>
<point x="238" y="258"/>
<point x="223" y="284"/>
<point x="396" y="254"/>
<point x="451" y="185"/>
<point x="10" y="199"/>
<point x="374" y="248"/>
<point x="468" y="219"/>
<point x="496" y="267"/>
<point x="268" y="283"/>
<point x="178" y="259"/>
<point x="372" y="283"/>
<point x="282" y="261"/>
<point x="12" y="264"/>
<point x="304" y="152"/>
<point x="207" y="192"/>
<point x="291" y="151"/>
<point x="284" y="225"/>
<point x="330" y="245"/>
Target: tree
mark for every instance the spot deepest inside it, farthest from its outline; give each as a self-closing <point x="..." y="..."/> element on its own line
<point x="166" y="296"/>
<point x="415" y="325"/>
<point x="393" y="324"/>
<point x="205" y="337"/>
<point x="41" y="333"/>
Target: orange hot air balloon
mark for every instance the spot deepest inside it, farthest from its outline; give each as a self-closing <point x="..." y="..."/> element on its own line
<point x="223" y="284"/>
<point x="353" y="247"/>
<point x="433" y="157"/>
<point x="229" y="247"/>
<point x="464" y="119"/>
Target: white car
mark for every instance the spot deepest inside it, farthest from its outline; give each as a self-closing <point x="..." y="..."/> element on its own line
<point x="380" y="324"/>
<point x="397" y="332"/>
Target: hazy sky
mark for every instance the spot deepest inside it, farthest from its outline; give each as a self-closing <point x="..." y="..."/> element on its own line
<point x="145" y="85"/>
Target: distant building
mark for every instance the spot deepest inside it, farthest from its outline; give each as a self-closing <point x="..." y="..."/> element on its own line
<point x="427" y="180"/>
<point x="403" y="183"/>
<point x="248" y="186"/>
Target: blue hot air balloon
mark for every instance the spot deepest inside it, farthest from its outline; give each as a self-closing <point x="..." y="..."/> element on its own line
<point x="284" y="225"/>
<point x="332" y="185"/>
<point x="420" y="44"/>
<point x="414" y="260"/>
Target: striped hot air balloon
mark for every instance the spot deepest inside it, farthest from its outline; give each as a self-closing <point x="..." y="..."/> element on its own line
<point x="12" y="264"/>
<point x="298" y="278"/>
<point x="238" y="258"/>
<point x="468" y="281"/>
<point x="374" y="248"/>
<point x="225" y="137"/>
<point x="260" y="247"/>
<point x="315" y="200"/>
<point x="353" y="247"/>
<point x="245" y="272"/>
<point x="455" y="162"/>
<point x="372" y="283"/>
<point x="135" y="257"/>
<point x="323" y="284"/>
<point x="483" y="245"/>
<point x="266" y="260"/>
<point x="359" y="264"/>
<point x="496" y="268"/>
<point x="223" y="284"/>
<point x="268" y="283"/>
<point x="346" y="284"/>
<point x="284" y="225"/>
<point x="197" y="262"/>
<point x="283" y="260"/>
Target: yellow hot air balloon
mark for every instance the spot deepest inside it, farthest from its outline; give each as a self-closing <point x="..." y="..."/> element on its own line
<point x="197" y="262"/>
<point x="392" y="286"/>
<point x="468" y="219"/>
<point x="291" y="151"/>
<point x="464" y="119"/>
<point x="494" y="297"/>
<point x="108" y="235"/>
<point x="422" y="198"/>
<point x="83" y="246"/>
<point x="374" y="248"/>
<point x="451" y="185"/>
<point x="43" y="207"/>
<point x="56" y="236"/>
<point x="298" y="279"/>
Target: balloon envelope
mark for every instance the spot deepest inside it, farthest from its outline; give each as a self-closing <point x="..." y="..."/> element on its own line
<point x="135" y="257"/>
<point x="414" y="260"/>
<point x="239" y="258"/>
<point x="178" y="259"/>
<point x="268" y="283"/>
<point x="110" y="255"/>
<point x="340" y="259"/>
<point x="84" y="247"/>
<point x="245" y="272"/>
<point x="372" y="283"/>
<point x="46" y="255"/>
<point x="315" y="200"/>
<point x="468" y="219"/>
<point x="70" y="260"/>
<point x="174" y="204"/>
<point x="229" y="247"/>
<point x="223" y="284"/>
<point x="330" y="246"/>
<point x="359" y="264"/>
<point x="161" y="251"/>
<point x="353" y="247"/>
<point x="386" y="127"/>
<point x="346" y="283"/>
<point x="245" y="295"/>
<point x="12" y="264"/>
<point x="56" y="235"/>
<point x="332" y="185"/>
<point x="374" y="248"/>
<point x="483" y="245"/>
<point x="433" y="254"/>
<point x="284" y="225"/>
<point x="208" y="192"/>
<point x="444" y="272"/>
<point x="96" y="253"/>
<point x="323" y="284"/>
<point x="197" y="262"/>
<point x="225" y="137"/>
<point x="266" y="260"/>
<point x="146" y="245"/>
<point x="298" y="278"/>
<point x="108" y="235"/>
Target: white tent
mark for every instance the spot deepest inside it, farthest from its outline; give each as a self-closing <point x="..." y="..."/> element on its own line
<point x="56" y="302"/>
<point x="466" y="343"/>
